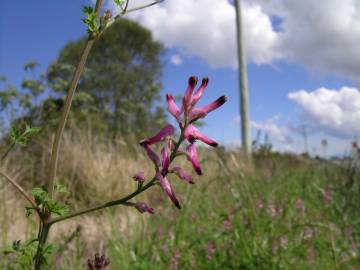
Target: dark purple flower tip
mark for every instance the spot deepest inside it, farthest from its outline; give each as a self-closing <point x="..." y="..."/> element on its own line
<point x="193" y="80"/>
<point x="139" y="177"/>
<point x="163" y="133"/>
<point x="196" y="97"/>
<point x="143" y="207"/>
<point x="100" y="262"/>
<point x="205" y="81"/>
<point x="189" y="93"/>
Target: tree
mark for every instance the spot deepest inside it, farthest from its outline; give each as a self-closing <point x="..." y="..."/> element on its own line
<point x="120" y="86"/>
<point x="244" y="92"/>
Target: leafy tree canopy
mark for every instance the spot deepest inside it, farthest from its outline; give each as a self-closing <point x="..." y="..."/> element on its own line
<point x="118" y="93"/>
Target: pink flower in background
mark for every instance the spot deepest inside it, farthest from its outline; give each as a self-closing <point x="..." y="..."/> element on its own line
<point x="354" y="145"/>
<point x="300" y="205"/>
<point x="271" y="209"/>
<point x="326" y="196"/>
<point x="260" y="204"/>
<point x="174" y="265"/>
<point x="139" y="177"/>
<point x="311" y="253"/>
<point x="143" y="207"/>
<point x="227" y="225"/>
<point x="210" y="249"/>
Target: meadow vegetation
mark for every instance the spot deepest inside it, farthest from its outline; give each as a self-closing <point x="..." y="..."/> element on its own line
<point x="279" y="212"/>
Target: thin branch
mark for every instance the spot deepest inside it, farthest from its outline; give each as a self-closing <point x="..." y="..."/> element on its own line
<point x="21" y="190"/>
<point x="144" y="6"/>
<point x="8" y="151"/>
<point x="126" y="11"/>
<point x="126" y="7"/>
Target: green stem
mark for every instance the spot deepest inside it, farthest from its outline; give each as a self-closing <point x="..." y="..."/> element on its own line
<point x="42" y="241"/>
<point x="60" y="130"/>
<point x="123" y="201"/>
<point x="68" y="102"/>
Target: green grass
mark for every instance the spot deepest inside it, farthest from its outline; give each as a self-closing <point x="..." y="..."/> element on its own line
<point x="271" y="216"/>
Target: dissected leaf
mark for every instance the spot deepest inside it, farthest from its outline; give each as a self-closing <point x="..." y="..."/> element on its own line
<point x="61" y="189"/>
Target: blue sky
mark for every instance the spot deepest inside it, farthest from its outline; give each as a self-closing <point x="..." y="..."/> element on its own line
<point x="285" y="56"/>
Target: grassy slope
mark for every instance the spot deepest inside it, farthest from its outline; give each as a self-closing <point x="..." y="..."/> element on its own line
<point x="271" y="215"/>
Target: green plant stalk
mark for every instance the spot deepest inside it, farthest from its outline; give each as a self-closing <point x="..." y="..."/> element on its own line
<point x="68" y="102"/>
<point x="123" y="201"/>
<point x="42" y="240"/>
<point x="69" y="98"/>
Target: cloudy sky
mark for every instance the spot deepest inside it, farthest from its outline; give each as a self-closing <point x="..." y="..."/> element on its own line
<point x="303" y="60"/>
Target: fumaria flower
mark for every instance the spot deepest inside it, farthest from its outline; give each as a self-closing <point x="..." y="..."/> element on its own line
<point x="185" y="115"/>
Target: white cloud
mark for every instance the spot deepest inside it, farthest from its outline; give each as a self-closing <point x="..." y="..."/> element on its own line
<point x="206" y="28"/>
<point x="322" y="35"/>
<point x="273" y="129"/>
<point x="176" y="59"/>
<point x="279" y="135"/>
<point x="334" y="111"/>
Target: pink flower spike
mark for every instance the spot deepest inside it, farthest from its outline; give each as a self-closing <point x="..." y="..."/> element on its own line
<point x="165" y="159"/>
<point x="192" y="134"/>
<point x="189" y="93"/>
<point x="193" y="158"/>
<point x="198" y="113"/>
<point x="143" y="207"/>
<point x="139" y="177"/>
<point x="165" y="184"/>
<point x="163" y="133"/>
<point x="196" y="97"/>
<point x="180" y="172"/>
<point x="172" y="107"/>
<point x="152" y="155"/>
